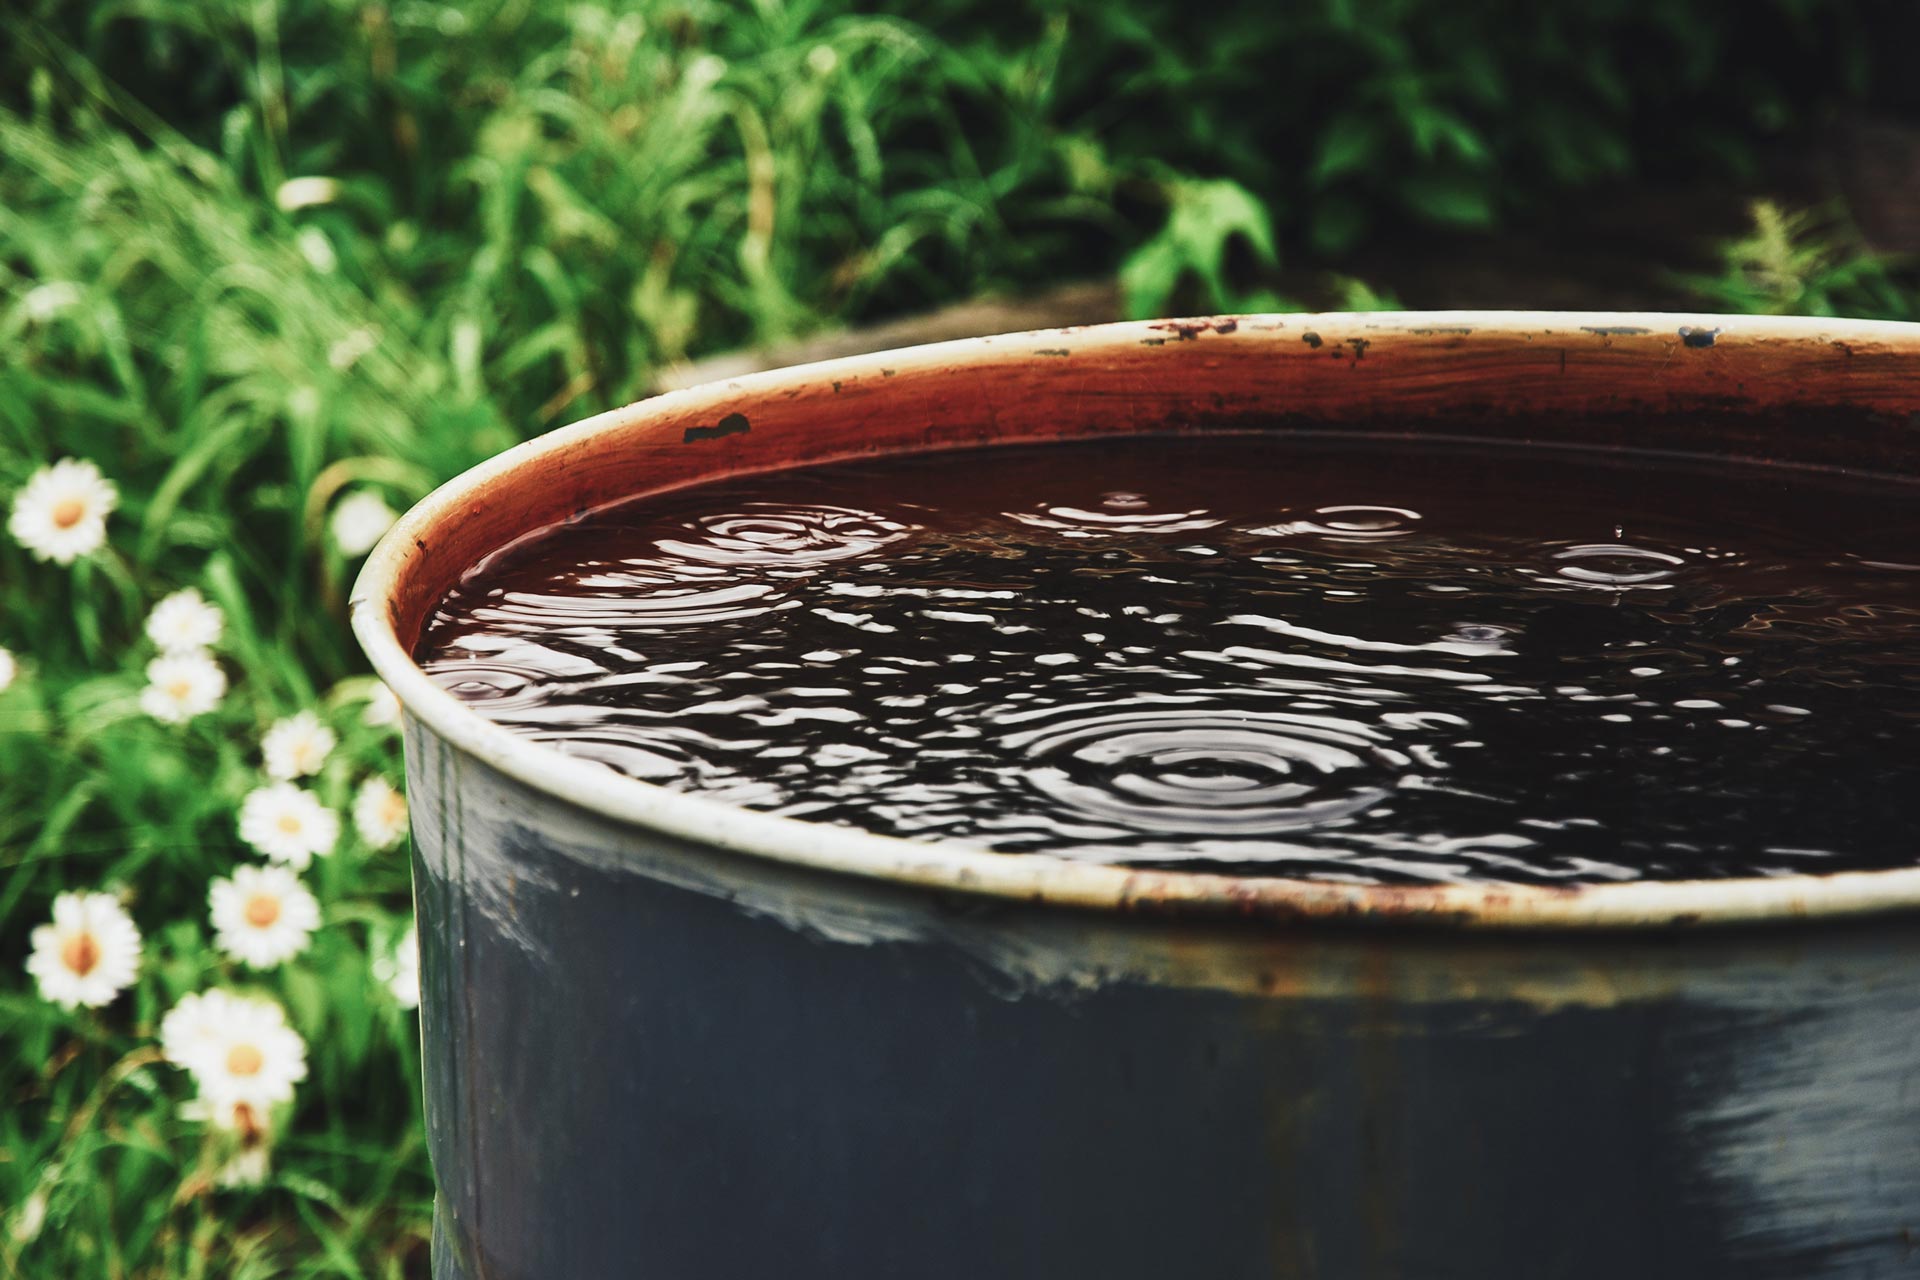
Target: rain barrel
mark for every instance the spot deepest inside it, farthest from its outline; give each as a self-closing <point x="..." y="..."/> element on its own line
<point x="669" y="1038"/>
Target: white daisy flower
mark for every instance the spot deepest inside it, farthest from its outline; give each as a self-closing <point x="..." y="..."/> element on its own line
<point x="298" y="193"/>
<point x="263" y="915"/>
<point x="296" y="746"/>
<point x="401" y="970"/>
<point x="181" y="686"/>
<point x="192" y="1027"/>
<point x="9" y="669"/>
<point x="380" y="813"/>
<point x="229" y="1114"/>
<point x="184" y="622"/>
<point x="88" y="955"/>
<point x="288" y="824"/>
<point x="317" y="249"/>
<point x="62" y="513"/>
<point x="44" y="302"/>
<point x="250" y="1123"/>
<point x="247" y="1167"/>
<point x="238" y="1049"/>
<point x="361" y="520"/>
<point x="30" y="1217"/>
<point x="383" y="708"/>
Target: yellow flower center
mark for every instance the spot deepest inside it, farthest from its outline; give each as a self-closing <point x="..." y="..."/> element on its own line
<point x="67" y="512"/>
<point x="179" y="690"/>
<point x="262" y="909"/>
<point x="80" y="953"/>
<point x="289" y="823"/>
<point x="393" y="808"/>
<point x="245" y="1060"/>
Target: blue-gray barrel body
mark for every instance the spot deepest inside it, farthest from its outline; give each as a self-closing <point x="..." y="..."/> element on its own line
<point x="647" y="1058"/>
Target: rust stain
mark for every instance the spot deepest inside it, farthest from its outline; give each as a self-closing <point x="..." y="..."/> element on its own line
<point x="734" y="424"/>
<point x="1156" y="895"/>
<point x="1188" y="330"/>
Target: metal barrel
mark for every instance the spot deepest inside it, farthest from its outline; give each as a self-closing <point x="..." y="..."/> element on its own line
<point x="668" y="1038"/>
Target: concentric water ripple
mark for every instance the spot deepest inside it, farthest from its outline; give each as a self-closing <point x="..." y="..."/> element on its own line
<point x="645" y="603"/>
<point x="1615" y="565"/>
<point x="772" y="535"/>
<point x="1347" y="522"/>
<point x="1120" y="512"/>
<point x="1175" y="770"/>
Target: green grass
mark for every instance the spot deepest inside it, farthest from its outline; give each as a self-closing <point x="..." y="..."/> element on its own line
<point x="257" y="255"/>
<point x="525" y="210"/>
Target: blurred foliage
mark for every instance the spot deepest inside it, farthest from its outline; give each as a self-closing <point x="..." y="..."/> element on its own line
<point x="1807" y="262"/>
<point x="727" y="171"/>
<point x="1357" y="118"/>
<point x="256" y="254"/>
<point x="1203" y="222"/>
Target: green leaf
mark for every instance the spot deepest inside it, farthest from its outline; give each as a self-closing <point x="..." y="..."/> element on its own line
<point x="1203" y="219"/>
<point x="1451" y="199"/>
<point x="1350" y="143"/>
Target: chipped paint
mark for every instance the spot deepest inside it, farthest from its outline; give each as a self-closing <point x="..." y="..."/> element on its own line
<point x="734" y="424"/>
<point x="1189" y="330"/>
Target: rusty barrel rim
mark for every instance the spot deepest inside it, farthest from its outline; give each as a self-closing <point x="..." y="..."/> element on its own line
<point x="1793" y="345"/>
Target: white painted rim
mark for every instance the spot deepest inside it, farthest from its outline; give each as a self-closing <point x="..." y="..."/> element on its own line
<point x="1039" y="878"/>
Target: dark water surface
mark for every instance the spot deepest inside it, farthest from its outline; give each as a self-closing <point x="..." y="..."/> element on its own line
<point x="1361" y="661"/>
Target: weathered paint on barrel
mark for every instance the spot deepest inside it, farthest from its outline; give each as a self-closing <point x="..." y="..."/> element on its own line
<point x="667" y="1038"/>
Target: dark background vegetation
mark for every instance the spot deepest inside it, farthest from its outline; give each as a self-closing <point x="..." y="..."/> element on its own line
<point x="732" y="173"/>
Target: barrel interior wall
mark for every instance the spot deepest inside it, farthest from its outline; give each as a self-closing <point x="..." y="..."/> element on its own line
<point x="1837" y="395"/>
<point x="626" y="1032"/>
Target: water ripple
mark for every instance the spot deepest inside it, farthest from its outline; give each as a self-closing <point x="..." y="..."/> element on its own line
<point x="769" y="535"/>
<point x="641" y="604"/>
<point x="1121" y="512"/>
<point x="1203" y="770"/>
<point x="1616" y="564"/>
<point x="1347" y="523"/>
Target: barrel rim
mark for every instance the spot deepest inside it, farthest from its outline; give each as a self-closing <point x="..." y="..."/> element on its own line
<point x="1046" y="879"/>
